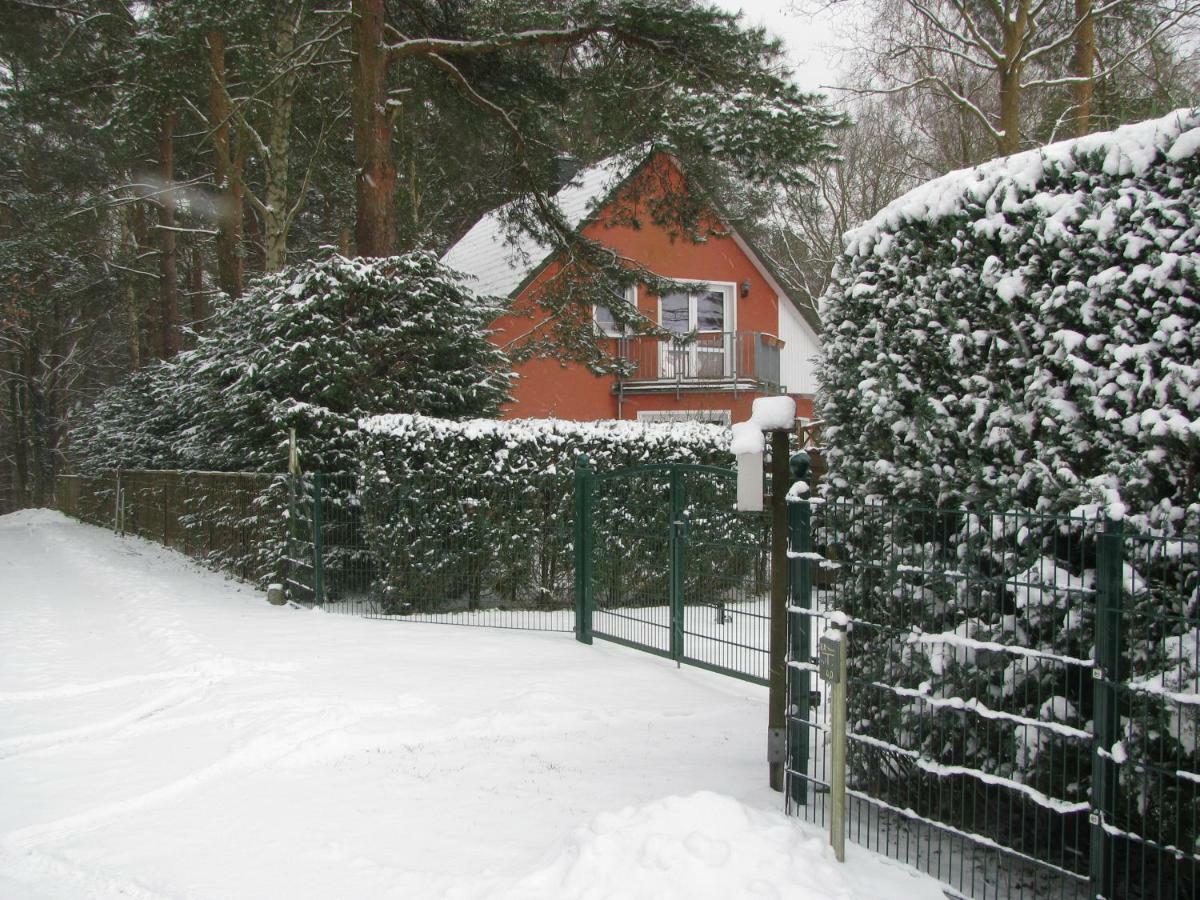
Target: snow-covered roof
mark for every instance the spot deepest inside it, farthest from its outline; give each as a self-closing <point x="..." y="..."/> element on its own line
<point x="497" y="259"/>
<point x="1129" y="150"/>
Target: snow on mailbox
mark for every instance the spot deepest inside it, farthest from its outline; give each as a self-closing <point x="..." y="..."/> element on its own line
<point x="767" y="414"/>
<point x="747" y="447"/>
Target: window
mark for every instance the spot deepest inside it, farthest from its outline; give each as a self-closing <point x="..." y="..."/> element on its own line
<point x="606" y="322"/>
<point x="707" y="316"/>
<point x="709" y="416"/>
<point x="710" y="310"/>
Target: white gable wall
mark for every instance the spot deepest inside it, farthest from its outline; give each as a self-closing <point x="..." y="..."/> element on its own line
<point x="798" y="359"/>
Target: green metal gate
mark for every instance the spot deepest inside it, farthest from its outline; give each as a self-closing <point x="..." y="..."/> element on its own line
<point x="665" y="564"/>
<point x="1022" y="722"/>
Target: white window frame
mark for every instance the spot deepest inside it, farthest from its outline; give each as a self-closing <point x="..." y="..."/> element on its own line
<point x="619" y="331"/>
<point x="728" y="288"/>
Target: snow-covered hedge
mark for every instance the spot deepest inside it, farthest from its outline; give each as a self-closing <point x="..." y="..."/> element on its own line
<point x="1021" y="337"/>
<point x="1028" y="332"/>
<point x="481" y="511"/>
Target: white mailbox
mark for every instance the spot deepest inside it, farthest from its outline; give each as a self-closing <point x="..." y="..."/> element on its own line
<point x="747" y="447"/>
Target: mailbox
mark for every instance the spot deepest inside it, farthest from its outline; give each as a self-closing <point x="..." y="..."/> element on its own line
<point x="747" y="447"/>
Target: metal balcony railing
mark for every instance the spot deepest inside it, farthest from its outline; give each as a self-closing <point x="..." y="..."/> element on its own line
<point x="735" y="357"/>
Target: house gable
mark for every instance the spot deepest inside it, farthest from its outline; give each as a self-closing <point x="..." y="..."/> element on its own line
<point x="614" y="204"/>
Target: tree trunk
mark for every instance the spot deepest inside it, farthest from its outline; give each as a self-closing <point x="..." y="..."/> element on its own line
<point x="198" y="298"/>
<point x="131" y="247"/>
<point x="168" y="295"/>
<point x="375" y="183"/>
<point x="283" y="96"/>
<point x="228" y="177"/>
<point x="1085" y="56"/>
<point x="1014" y="29"/>
<point x="254" y="238"/>
<point x="20" y="444"/>
<point x="39" y="464"/>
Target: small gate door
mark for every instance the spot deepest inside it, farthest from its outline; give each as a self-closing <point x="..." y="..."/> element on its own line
<point x="667" y="566"/>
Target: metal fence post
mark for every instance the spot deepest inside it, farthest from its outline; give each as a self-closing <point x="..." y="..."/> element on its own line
<point x="583" y="550"/>
<point x="318" y="527"/>
<point x="800" y="645"/>
<point x="675" y="548"/>
<point x="777" y="671"/>
<point x="1106" y="675"/>
<point x="837" y="750"/>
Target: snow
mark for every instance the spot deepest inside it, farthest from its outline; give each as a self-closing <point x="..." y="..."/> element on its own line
<point x="773" y="412"/>
<point x="747" y="438"/>
<point x="166" y="732"/>
<point x="1129" y="150"/>
<point x="496" y="258"/>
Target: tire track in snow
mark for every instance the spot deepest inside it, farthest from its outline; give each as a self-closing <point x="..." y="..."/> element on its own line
<point x="259" y="752"/>
<point x="30" y="743"/>
<point x="70" y="691"/>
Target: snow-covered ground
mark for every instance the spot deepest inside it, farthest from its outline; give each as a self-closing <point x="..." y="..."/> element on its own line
<point x="164" y="732"/>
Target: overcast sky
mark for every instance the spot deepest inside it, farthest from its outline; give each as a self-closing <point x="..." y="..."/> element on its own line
<point x="810" y="38"/>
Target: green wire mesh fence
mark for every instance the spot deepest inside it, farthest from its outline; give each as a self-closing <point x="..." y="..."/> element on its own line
<point x="501" y="557"/>
<point x="1023" y="709"/>
<point x="673" y="569"/>
<point x="232" y="521"/>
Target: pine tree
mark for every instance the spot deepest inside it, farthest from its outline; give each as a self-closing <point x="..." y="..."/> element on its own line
<point x="314" y="347"/>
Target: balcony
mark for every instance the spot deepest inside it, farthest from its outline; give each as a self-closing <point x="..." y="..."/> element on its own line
<point x="732" y="360"/>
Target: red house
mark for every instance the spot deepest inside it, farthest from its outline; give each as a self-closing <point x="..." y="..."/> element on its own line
<point x="738" y="338"/>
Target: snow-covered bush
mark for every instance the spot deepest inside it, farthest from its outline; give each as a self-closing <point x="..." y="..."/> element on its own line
<point x="481" y="511"/>
<point x="314" y="347"/>
<point x="1023" y="337"/>
<point x="1028" y="332"/>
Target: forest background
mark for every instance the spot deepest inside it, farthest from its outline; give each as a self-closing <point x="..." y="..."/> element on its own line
<point x="157" y="157"/>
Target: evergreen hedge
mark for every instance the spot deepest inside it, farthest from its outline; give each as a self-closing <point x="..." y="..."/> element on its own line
<point x="1028" y="333"/>
<point x="1023" y="338"/>
<point x="479" y="513"/>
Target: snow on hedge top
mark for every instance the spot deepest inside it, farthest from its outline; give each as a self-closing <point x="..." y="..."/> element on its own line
<point x="1129" y="150"/>
<point x="497" y="257"/>
<point x="549" y="431"/>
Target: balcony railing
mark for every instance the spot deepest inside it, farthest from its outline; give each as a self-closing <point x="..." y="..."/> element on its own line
<point x="748" y="359"/>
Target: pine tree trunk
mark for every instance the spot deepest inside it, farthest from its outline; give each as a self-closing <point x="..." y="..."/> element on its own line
<point x="275" y="218"/>
<point x="130" y="247"/>
<point x="230" y="268"/>
<point x="134" y="325"/>
<point x="39" y="467"/>
<point x="1085" y="56"/>
<point x="198" y="298"/>
<point x="375" y="183"/>
<point x="168" y="295"/>
<point x="20" y="447"/>
<point x="142" y="330"/>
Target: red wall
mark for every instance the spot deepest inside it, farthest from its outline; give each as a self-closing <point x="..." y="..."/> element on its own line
<point x="547" y="387"/>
